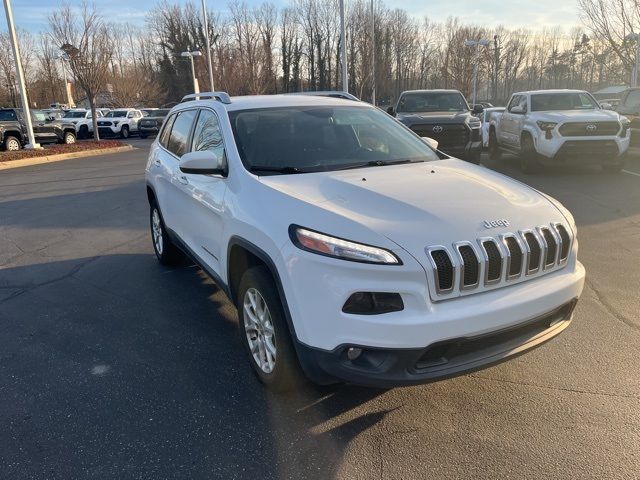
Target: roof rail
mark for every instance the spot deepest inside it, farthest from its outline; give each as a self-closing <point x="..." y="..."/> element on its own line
<point x="220" y="96"/>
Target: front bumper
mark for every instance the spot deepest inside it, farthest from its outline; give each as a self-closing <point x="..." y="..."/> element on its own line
<point x="456" y="140"/>
<point x="581" y="150"/>
<point x="149" y="130"/>
<point x="109" y="131"/>
<point x="387" y="368"/>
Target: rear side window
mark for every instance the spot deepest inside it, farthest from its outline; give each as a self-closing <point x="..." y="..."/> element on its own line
<point x="180" y="132"/>
<point x="207" y="134"/>
<point x="7" y="115"/>
<point x="164" y="136"/>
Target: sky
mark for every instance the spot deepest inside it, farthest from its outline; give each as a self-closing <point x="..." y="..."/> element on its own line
<point x="32" y="14"/>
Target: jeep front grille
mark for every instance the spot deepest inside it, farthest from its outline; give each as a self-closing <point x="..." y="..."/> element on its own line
<point x="492" y="262"/>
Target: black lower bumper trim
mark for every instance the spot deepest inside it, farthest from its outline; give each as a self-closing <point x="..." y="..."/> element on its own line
<point x="380" y="367"/>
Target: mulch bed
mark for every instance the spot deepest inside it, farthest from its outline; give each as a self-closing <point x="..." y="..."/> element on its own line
<point x="56" y="149"/>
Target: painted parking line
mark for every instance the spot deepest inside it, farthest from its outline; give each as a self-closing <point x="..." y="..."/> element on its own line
<point x="631" y="173"/>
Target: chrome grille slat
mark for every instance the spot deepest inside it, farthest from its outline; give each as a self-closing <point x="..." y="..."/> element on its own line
<point x="492" y="262"/>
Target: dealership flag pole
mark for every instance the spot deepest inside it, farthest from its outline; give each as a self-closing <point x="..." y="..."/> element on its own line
<point x="207" y="44"/>
<point x="20" y="76"/>
<point x="343" y="44"/>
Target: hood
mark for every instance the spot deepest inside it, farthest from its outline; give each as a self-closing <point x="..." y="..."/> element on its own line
<point x="594" y="115"/>
<point x="422" y="204"/>
<point x="432" y="117"/>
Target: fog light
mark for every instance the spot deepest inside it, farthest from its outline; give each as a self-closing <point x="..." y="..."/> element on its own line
<point x="373" y="303"/>
<point x="353" y="353"/>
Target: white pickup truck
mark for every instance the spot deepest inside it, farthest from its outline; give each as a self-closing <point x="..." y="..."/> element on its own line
<point x="558" y="127"/>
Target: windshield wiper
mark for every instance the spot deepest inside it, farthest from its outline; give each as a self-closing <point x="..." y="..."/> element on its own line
<point x="268" y="168"/>
<point x="376" y="163"/>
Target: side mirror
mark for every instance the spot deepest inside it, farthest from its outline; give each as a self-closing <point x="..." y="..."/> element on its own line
<point x="433" y="143"/>
<point x="477" y="109"/>
<point x="606" y="106"/>
<point x="204" y="162"/>
<point x="518" y="109"/>
<point x="390" y="111"/>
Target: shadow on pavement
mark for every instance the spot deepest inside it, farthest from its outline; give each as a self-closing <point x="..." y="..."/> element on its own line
<point x="116" y="367"/>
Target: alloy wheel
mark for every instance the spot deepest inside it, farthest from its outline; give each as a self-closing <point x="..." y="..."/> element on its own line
<point x="259" y="330"/>
<point x="156" y="231"/>
<point x="69" y="138"/>
<point x="13" y="145"/>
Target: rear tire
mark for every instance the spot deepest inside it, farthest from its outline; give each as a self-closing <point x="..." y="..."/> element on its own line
<point x="166" y="251"/>
<point x="12" y="144"/>
<point x="264" y="331"/>
<point x="494" y="149"/>
<point x="528" y="156"/>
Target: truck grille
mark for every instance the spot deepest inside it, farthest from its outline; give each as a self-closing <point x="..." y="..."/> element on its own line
<point x="589" y="129"/>
<point x="449" y="136"/>
<point x="494" y="262"/>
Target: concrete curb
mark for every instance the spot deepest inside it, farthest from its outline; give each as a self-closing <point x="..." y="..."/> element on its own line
<point x="26" y="162"/>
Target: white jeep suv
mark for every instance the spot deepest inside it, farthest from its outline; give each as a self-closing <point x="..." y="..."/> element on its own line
<point x="555" y="127"/>
<point x="120" y="122"/>
<point x="352" y="250"/>
<point x="83" y="121"/>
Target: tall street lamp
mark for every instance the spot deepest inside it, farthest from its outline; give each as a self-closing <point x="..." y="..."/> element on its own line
<point x="477" y="44"/>
<point x="195" y="53"/>
<point x="62" y="59"/>
<point x="635" y="37"/>
<point x="207" y="43"/>
<point x="343" y="44"/>
<point x="20" y="76"/>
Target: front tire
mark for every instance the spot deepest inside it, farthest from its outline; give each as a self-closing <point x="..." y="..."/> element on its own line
<point x="264" y="331"/>
<point x="143" y="135"/>
<point x="166" y="251"/>
<point x="494" y="149"/>
<point x="69" y="138"/>
<point x="124" y="132"/>
<point x="528" y="156"/>
<point x="83" y="132"/>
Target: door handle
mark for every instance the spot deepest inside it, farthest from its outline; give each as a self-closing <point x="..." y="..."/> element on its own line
<point x="183" y="179"/>
<point x="156" y="162"/>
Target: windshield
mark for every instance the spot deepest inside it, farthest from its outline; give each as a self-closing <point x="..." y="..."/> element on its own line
<point x="75" y="114"/>
<point x="312" y="139"/>
<point x="159" y="113"/>
<point x="116" y="113"/>
<point x="545" y="102"/>
<point x="39" y="115"/>
<point x="432" y="102"/>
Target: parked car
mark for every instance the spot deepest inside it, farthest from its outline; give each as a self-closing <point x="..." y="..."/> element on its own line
<point x="121" y="122"/>
<point x="13" y="129"/>
<point x="490" y="114"/>
<point x="352" y="249"/>
<point x="54" y="113"/>
<point x="82" y="120"/>
<point x="445" y="116"/>
<point x="151" y="124"/>
<point x="556" y="127"/>
<point x="629" y="106"/>
<point x="609" y="103"/>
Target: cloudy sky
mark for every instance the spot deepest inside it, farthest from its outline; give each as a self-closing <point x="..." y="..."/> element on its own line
<point x="32" y="14"/>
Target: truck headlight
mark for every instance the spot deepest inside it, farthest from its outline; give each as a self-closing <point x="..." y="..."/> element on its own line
<point x="546" y="126"/>
<point x="322" y="244"/>
<point x="626" y="124"/>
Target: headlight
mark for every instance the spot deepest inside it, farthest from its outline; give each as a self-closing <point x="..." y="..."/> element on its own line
<point x="626" y="124"/>
<point x="322" y="244"/>
<point x="474" y="123"/>
<point x="546" y="126"/>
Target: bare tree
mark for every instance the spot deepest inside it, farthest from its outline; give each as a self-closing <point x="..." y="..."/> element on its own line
<point x="84" y="37"/>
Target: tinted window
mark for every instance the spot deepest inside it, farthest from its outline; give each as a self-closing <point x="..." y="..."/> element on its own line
<point x="180" y="132"/>
<point x="116" y="113"/>
<point x="75" y="114"/>
<point x="7" y="115"/>
<point x="432" y="102"/>
<point x="39" y="115"/>
<point x="307" y="139"/>
<point x="207" y="134"/>
<point x="164" y="136"/>
<point x="544" y="102"/>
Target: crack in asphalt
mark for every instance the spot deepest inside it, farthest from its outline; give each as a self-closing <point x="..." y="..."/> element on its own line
<point x="551" y="387"/>
<point x="600" y="298"/>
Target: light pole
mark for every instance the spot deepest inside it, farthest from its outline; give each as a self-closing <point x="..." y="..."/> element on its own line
<point x="207" y="43"/>
<point x="477" y="44"/>
<point x="20" y="74"/>
<point x="373" y="53"/>
<point x="195" y="53"/>
<point x="343" y="44"/>
<point x="635" y="37"/>
<point x="62" y="59"/>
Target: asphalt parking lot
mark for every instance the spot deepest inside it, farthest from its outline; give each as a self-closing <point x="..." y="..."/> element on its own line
<point x="114" y="367"/>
